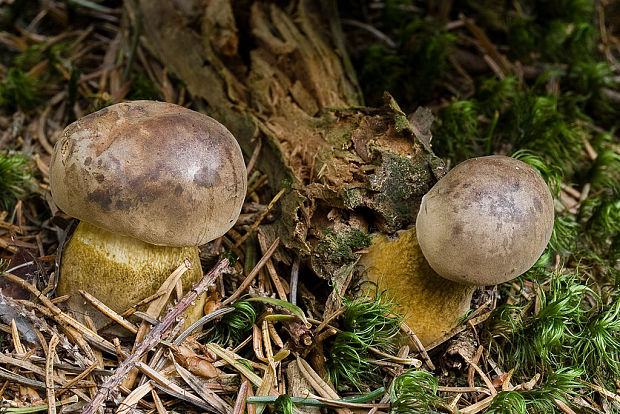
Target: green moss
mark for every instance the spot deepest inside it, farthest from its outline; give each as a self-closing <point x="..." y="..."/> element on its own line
<point x="352" y="197"/>
<point x="14" y="175"/>
<point x="415" y="392"/>
<point x="339" y="137"/>
<point x="574" y="330"/>
<point x="398" y="184"/>
<point x="367" y="321"/>
<point x="143" y="88"/>
<point x="412" y="71"/>
<point x="234" y="326"/>
<point x="340" y="246"/>
<point x="19" y="90"/>
<point x="517" y="117"/>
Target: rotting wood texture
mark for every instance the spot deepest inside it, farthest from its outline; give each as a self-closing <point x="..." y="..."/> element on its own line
<point x="282" y="77"/>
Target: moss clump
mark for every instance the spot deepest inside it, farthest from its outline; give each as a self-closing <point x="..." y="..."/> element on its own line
<point x="399" y="183"/>
<point x="413" y="69"/>
<point x="353" y="197"/>
<point x="367" y="321"/>
<point x="232" y="327"/>
<point x="14" y="174"/>
<point x="575" y="328"/>
<point x="338" y="247"/>
<point x="19" y="90"/>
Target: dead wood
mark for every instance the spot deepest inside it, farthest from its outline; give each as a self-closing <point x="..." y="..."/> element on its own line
<point x="282" y="77"/>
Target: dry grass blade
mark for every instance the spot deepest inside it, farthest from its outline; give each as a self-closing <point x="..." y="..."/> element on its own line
<point x="244" y="285"/>
<point x="44" y="407"/>
<point x="17" y="343"/>
<point x="40" y="326"/>
<point x="266" y="387"/>
<point x="183" y="397"/>
<point x="77" y="378"/>
<point x="231" y="358"/>
<point x="271" y="268"/>
<point x="462" y="390"/>
<point x="418" y="344"/>
<point x="275" y="337"/>
<point x="49" y="375"/>
<point x="154" y="310"/>
<point x="267" y="342"/>
<point x="260" y="218"/>
<point x="240" y="403"/>
<point x="205" y="393"/>
<point x="480" y="372"/>
<point x="29" y="366"/>
<point x="87" y="333"/>
<point x="345" y="404"/>
<point x="103" y="308"/>
<point x="320" y="386"/>
<point x="165" y="290"/>
<point x="404" y="361"/>
<point x="562" y="406"/>
<point x="20" y="379"/>
<point x="128" y="404"/>
<point x="477" y="407"/>
<point x="159" y="406"/>
<point x="153" y="337"/>
<point x="169" y="386"/>
<point x="602" y="391"/>
<point x="257" y="343"/>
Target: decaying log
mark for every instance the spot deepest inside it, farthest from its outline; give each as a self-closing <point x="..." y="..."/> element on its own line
<point x="282" y="76"/>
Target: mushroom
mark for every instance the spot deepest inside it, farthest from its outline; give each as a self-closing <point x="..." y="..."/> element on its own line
<point x="485" y="222"/>
<point x="150" y="181"/>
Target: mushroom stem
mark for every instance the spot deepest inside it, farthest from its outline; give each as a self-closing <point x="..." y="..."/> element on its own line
<point x="432" y="305"/>
<point x="120" y="271"/>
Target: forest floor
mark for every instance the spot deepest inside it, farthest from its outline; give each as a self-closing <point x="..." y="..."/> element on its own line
<point x="535" y="81"/>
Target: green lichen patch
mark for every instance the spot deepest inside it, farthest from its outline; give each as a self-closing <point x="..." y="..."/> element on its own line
<point x="399" y="184"/>
<point x="337" y="248"/>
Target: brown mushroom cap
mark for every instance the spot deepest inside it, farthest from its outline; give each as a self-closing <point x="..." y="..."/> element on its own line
<point x="486" y="221"/>
<point x="154" y="171"/>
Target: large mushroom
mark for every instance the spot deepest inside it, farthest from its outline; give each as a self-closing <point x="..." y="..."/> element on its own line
<point x="485" y="222"/>
<point x="150" y="181"/>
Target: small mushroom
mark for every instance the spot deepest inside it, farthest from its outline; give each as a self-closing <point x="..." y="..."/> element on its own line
<point x="150" y="181"/>
<point x="485" y="222"/>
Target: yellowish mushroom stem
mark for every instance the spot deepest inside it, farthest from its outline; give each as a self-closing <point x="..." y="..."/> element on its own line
<point x="120" y="271"/>
<point x="431" y="304"/>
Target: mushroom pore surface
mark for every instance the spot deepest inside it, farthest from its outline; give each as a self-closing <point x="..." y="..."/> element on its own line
<point x="155" y="171"/>
<point x="486" y="221"/>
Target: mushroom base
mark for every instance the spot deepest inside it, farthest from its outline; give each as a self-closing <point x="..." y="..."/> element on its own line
<point x="432" y="305"/>
<point x="120" y="271"/>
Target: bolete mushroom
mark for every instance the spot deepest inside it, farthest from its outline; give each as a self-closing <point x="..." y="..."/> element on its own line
<point x="150" y="181"/>
<point x="485" y="222"/>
